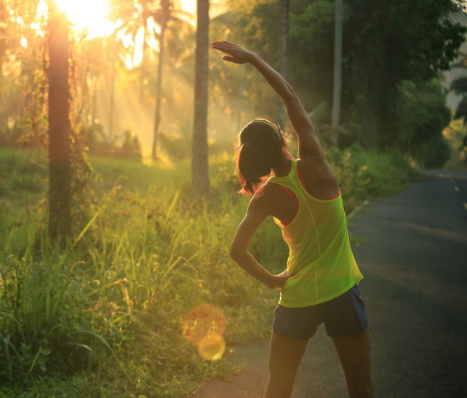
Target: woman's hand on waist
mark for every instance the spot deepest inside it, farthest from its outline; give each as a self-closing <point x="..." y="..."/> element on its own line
<point x="278" y="281"/>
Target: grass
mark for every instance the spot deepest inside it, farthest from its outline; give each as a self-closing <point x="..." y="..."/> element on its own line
<point x="106" y="317"/>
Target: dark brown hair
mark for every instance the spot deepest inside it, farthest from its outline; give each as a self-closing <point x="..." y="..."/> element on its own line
<point x="260" y="146"/>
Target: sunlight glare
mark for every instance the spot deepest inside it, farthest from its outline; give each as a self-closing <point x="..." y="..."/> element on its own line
<point x="41" y="16"/>
<point x="189" y="6"/>
<point x="89" y="16"/>
<point x="212" y="347"/>
<point x="203" y="327"/>
<point x="139" y="42"/>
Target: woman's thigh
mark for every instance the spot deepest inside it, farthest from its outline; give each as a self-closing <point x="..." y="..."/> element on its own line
<point x="355" y="357"/>
<point x="285" y="356"/>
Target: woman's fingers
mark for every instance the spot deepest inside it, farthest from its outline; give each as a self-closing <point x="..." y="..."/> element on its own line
<point x="224" y="49"/>
<point x="220" y="44"/>
<point x="223" y="42"/>
<point x="235" y="54"/>
<point x="220" y="48"/>
<point x="224" y="46"/>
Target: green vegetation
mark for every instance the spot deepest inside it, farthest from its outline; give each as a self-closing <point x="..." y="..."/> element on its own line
<point x="131" y="304"/>
<point x="456" y="136"/>
<point x="105" y="317"/>
<point x="388" y="101"/>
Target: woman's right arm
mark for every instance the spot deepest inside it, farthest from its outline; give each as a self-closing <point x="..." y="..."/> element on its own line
<point x="256" y="214"/>
<point x="307" y="138"/>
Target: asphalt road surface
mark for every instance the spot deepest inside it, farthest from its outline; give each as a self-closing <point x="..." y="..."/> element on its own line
<point x="412" y="250"/>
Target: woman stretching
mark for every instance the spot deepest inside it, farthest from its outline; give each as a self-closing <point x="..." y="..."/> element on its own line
<point x="302" y="195"/>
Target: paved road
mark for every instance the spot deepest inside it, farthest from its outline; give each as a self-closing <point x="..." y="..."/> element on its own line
<point x="412" y="249"/>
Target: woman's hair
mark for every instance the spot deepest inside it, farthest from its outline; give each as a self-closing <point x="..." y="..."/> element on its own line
<point x="260" y="146"/>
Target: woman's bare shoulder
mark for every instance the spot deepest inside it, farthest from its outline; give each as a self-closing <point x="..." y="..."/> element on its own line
<point x="265" y="193"/>
<point x="275" y="196"/>
<point x="270" y="196"/>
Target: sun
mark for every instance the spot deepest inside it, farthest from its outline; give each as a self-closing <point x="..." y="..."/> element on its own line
<point x="188" y="6"/>
<point x="88" y="16"/>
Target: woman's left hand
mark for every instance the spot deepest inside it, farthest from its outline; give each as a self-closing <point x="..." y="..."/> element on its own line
<point x="235" y="54"/>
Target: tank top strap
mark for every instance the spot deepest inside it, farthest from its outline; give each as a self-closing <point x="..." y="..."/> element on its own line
<point x="290" y="181"/>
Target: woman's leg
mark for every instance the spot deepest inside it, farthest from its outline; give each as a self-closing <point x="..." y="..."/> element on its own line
<point x="355" y="356"/>
<point x="285" y="356"/>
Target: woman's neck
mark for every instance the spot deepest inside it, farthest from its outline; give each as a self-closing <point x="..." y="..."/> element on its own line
<point x="283" y="168"/>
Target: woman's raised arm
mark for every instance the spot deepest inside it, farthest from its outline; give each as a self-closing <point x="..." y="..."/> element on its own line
<point x="307" y="138"/>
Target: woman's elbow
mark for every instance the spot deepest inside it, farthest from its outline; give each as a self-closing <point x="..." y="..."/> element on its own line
<point x="235" y="252"/>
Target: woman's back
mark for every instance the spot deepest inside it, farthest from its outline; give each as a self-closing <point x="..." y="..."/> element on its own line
<point x="320" y="254"/>
<point x="317" y="179"/>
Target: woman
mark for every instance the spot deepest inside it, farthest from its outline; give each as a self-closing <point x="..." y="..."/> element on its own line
<point x="320" y="283"/>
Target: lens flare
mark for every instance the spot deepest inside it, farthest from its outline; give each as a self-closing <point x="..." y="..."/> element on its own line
<point x="204" y="327"/>
<point x="212" y="347"/>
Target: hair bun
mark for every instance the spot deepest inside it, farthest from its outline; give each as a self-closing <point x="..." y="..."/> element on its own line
<point x="252" y="166"/>
<point x="260" y="148"/>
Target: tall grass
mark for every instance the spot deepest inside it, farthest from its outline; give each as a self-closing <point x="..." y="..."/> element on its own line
<point x="108" y="311"/>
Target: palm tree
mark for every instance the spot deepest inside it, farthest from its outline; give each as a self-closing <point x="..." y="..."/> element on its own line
<point x="459" y="86"/>
<point x="59" y="127"/>
<point x="199" y="162"/>
<point x="284" y="32"/>
<point x="162" y="17"/>
<point x="336" y="102"/>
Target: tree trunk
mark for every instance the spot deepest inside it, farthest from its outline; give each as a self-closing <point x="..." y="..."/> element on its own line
<point x="336" y="101"/>
<point x="199" y="163"/>
<point x="112" y="101"/>
<point x="165" y="15"/>
<point x="59" y="129"/>
<point x="284" y="32"/>
<point x="157" y="112"/>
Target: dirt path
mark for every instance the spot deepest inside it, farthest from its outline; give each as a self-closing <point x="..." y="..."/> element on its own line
<point x="413" y="253"/>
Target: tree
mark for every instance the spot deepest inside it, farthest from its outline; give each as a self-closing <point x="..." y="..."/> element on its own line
<point x="385" y="44"/>
<point x="283" y="36"/>
<point x="461" y="110"/>
<point x="459" y="86"/>
<point x="161" y="35"/>
<point x="22" y="81"/>
<point x="312" y="30"/>
<point x="163" y="17"/>
<point x="336" y="99"/>
<point x="59" y="127"/>
<point x="391" y="42"/>
<point x="422" y="116"/>
<point x="199" y="161"/>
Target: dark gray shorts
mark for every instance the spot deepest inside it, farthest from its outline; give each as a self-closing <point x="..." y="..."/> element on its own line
<point x="342" y="316"/>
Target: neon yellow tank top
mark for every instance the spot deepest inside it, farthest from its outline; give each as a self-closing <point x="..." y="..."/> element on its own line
<point x="319" y="248"/>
